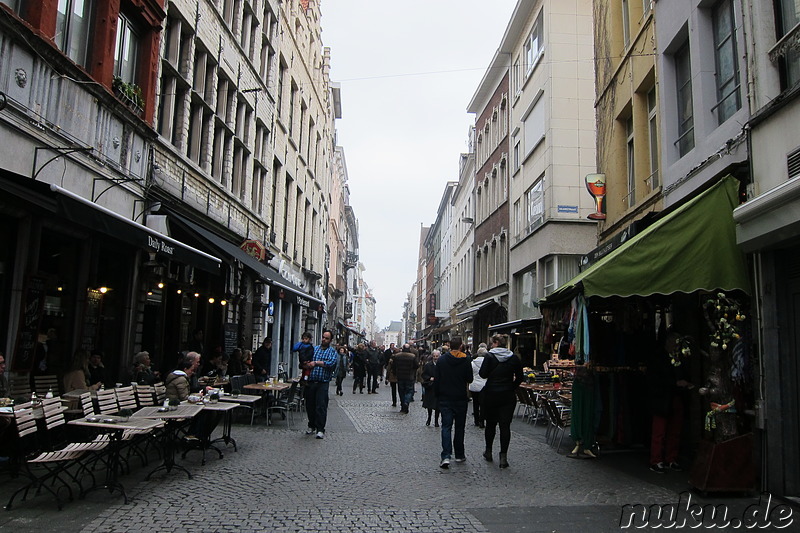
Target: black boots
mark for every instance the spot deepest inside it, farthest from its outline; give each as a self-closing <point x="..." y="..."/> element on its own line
<point x="488" y="455"/>
<point x="503" y="460"/>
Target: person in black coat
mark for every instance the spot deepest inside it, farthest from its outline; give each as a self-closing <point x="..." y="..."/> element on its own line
<point x="262" y="360"/>
<point x="453" y="375"/>
<point x="502" y="370"/>
<point x="359" y="365"/>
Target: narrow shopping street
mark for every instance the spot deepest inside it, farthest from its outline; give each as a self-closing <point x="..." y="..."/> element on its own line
<point x="376" y="470"/>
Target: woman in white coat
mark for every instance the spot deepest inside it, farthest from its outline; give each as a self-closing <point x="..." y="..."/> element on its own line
<point x="477" y="384"/>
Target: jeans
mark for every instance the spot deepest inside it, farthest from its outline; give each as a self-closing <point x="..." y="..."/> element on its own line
<point x="453" y="412"/>
<point x="317" y="404"/>
<point x="405" y="389"/>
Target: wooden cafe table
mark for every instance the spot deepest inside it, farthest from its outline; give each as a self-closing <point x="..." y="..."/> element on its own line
<point x="266" y="388"/>
<point x="115" y="426"/>
<point x="173" y="418"/>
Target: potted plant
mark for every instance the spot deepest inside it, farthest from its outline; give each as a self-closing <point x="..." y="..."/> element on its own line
<point x="235" y="393"/>
<point x="125" y="414"/>
<point x="130" y="94"/>
<point x="556" y="381"/>
<point x="213" y="397"/>
<point x="173" y="404"/>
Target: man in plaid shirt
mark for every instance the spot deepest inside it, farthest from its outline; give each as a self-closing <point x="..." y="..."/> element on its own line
<point x="316" y="392"/>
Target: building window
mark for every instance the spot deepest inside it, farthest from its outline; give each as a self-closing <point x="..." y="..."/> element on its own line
<point x="788" y="16"/>
<point x="534" y="203"/>
<point x="534" y="44"/>
<point x="516" y="74"/>
<point x="528" y="302"/>
<point x="127" y="50"/>
<point x="534" y="126"/>
<point x="630" y="199"/>
<point x="683" y="80"/>
<point x="652" y="123"/>
<point x="73" y="24"/>
<point x="515" y="153"/>
<point x="728" y="96"/>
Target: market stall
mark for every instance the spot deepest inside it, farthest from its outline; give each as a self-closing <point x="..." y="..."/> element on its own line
<point x="662" y="319"/>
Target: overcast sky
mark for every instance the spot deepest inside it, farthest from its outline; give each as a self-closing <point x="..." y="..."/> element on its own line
<point x="407" y="71"/>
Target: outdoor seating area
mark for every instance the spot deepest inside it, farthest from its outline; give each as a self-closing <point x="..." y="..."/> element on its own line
<point x="68" y="446"/>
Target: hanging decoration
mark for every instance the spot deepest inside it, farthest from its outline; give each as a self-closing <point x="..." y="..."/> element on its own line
<point x="722" y="314"/>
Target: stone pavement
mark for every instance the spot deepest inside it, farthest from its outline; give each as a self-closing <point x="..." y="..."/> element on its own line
<point x="376" y="470"/>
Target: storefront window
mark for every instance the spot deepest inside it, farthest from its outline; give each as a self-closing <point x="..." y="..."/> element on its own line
<point x="527" y="297"/>
<point x="8" y="244"/>
<point x="58" y="273"/>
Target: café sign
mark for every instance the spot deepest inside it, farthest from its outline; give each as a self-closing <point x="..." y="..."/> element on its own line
<point x="254" y="248"/>
<point x="160" y="245"/>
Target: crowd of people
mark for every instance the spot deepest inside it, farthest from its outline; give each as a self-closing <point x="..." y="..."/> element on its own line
<point x="450" y="379"/>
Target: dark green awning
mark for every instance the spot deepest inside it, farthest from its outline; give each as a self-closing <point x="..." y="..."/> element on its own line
<point x="692" y="248"/>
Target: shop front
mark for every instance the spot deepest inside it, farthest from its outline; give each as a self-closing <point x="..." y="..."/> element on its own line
<point x="660" y="328"/>
<point x="74" y="277"/>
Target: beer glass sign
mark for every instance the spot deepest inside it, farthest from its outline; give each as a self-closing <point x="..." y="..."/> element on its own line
<point x="596" y="185"/>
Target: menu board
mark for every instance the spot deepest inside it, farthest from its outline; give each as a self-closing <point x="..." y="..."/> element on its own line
<point x="230" y="337"/>
<point x="91" y="319"/>
<point x="30" y="321"/>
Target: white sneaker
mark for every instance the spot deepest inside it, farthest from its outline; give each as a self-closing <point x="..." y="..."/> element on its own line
<point x="320" y="435"/>
<point x="445" y="463"/>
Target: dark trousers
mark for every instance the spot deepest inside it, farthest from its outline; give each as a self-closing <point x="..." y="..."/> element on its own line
<point x="373" y="375"/>
<point x="393" y="384"/>
<point x="498" y="409"/>
<point x="477" y="415"/>
<point x="316" y="396"/>
<point x="339" y="380"/>
<point x="358" y="382"/>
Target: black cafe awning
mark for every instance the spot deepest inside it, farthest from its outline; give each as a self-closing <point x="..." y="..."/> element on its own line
<point x="59" y="202"/>
<point x="296" y="294"/>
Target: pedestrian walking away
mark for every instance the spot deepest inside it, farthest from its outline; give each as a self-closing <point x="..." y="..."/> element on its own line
<point x="451" y="379"/>
<point x="374" y="367"/>
<point x="477" y="384"/>
<point x="502" y="370"/>
<point x="429" y="400"/>
<point x="316" y="392"/>
<point x="404" y="366"/>
<point x="359" y="365"/>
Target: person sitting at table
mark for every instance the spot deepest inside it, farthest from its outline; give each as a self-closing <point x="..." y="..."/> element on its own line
<point x="213" y="367"/>
<point x="143" y="373"/>
<point x="97" y="371"/>
<point x="179" y="380"/>
<point x="178" y="387"/>
<point x="77" y="377"/>
<point x="247" y="360"/>
<point x="236" y="364"/>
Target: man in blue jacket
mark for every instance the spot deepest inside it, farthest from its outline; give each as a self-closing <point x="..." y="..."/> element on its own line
<point x="452" y="377"/>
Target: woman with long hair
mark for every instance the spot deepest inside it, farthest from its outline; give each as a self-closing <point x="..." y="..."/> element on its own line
<point x="502" y="370"/>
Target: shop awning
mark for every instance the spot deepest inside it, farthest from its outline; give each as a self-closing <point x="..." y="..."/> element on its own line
<point x="471" y="311"/>
<point x="228" y="248"/>
<point x="59" y="202"/>
<point x="692" y="248"/>
<point x="515" y="325"/>
<point x="96" y="217"/>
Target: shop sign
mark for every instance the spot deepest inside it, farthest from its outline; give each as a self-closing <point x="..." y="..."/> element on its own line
<point x="567" y="208"/>
<point x="612" y="244"/>
<point x="290" y="274"/>
<point x="254" y="249"/>
<point x="431" y="314"/>
<point x="159" y="245"/>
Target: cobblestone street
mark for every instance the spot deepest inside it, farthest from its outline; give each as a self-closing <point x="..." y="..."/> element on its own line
<point x="376" y="470"/>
